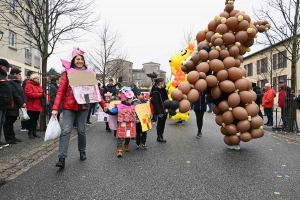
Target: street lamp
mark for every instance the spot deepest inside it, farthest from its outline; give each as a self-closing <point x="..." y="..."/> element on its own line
<point x="1" y="35"/>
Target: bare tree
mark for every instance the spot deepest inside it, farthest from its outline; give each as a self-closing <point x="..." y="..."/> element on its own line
<point x="284" y="15"/>
<point x="107" y="56"/>
<point x="47" y="23"/>
<point x="188" y="36"/>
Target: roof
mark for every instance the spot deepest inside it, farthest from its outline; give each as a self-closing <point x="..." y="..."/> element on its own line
<point x="116" y="60"/>
<point x="151" y="63"/>
<point x="269" y="47"/>
<point x="137" y="70"/>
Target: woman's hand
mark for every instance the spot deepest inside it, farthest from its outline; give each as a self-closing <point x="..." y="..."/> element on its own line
<point x="54" y="113"/>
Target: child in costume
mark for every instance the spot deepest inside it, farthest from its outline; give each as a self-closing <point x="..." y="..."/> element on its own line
<point x="107" y="99"/>
<point x="126" y="122"/>
<point x="113" y="117"/>
<point x="140" y="135"/>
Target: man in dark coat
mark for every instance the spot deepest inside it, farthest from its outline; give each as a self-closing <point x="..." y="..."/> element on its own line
<point x="110" y="87"/>
<point x="257" y="90"/>
<point x="13" y="113"/>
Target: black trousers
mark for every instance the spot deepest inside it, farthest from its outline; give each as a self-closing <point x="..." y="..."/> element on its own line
<point x="259" y="112"/>
<point x="8" y="128"/>
<point x="140" y="136"/>
<point x="199" y="118"/>
<point x="32" y="122"/>
<point x="161" y="123"/>
<point x="24" y="124"/>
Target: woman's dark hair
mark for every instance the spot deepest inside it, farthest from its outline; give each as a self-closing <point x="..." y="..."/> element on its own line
<point x="56" y="77"/>
<point x="73" y="61"/>
<point x="15" y="71"/>
<point x="158" y="80"/>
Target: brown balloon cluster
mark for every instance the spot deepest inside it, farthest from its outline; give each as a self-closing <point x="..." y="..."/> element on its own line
<point x="215" y="69"/>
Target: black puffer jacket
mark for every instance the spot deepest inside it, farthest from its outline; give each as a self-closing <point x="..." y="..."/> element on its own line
<point x="5" y="91"/>
<point x="258" y="92"/>
<point x="18" y="96"/>
<point x="158" y="96"/>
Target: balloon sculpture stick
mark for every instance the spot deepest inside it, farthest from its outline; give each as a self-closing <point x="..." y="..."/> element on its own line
<point x="215" y="68"/>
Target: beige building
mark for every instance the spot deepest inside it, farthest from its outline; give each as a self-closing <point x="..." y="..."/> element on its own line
<point x="16" y="46"/>
<point x="120" y="70"/>
<point x="139" y="75"/>
<point x="269" y="66"/>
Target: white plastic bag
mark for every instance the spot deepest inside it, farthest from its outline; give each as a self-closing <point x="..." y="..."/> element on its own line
<point x="23" y="114"/>
<point x="53" y="129"/>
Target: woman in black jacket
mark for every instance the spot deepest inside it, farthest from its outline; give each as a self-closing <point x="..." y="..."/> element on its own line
<point x="158" y="96"/>
<point x="13" y="113"/>
<point x="53" y="90"/>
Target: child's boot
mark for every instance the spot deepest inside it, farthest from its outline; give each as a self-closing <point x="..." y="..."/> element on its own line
<point x="144" y="146"/>
<point x="126" y="147"/>
<point x="120" y="152"/>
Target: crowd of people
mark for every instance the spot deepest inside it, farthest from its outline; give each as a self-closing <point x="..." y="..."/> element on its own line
<point x="16" y="94"/>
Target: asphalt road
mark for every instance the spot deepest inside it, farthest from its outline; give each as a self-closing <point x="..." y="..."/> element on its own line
<point x="183" y="168"/>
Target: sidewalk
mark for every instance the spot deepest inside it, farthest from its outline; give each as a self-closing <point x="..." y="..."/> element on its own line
<point x="18" y="158"/>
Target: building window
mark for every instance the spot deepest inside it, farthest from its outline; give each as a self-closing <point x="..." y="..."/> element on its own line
<point x="258" y="69"/>
<point x="13" y="6"/>
<point x="12" y="39"/>
<point x="263" y="83"/>
<point x="28" y="22"/>
<point x="274" y="61"/>
<point x="27" y="52"/>
<point x="282" y="61"/>
<point x="264" y="65"/>
<point x="249" y="69"/>
<point x="37" y="58"/>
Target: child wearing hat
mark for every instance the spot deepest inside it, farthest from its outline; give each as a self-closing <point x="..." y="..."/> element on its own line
<point x="107" y="98"/>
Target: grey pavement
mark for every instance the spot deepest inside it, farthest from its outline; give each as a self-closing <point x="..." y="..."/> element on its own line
<point x="183" y="168"/>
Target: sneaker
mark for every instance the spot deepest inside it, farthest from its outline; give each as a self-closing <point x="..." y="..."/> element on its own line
<point x="2" y="144"/>
<point x="23" y="129"/>
<point x="0" y="148"/>
<point x="93" y="115"/>
<point x="11" y="142"/>
<point x="138" y="147"/>
<point x="75" y="127"/>
<point x="234" y="147"/>
<point x="154" y="123"/>
<point x="18" y="140"/>
<point x="199" y="135"/>
<point x="144" y="146"/>
<point x="88" y="123"/>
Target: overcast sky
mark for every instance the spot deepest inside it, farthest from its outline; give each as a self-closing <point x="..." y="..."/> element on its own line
<point x="153" y="30"/>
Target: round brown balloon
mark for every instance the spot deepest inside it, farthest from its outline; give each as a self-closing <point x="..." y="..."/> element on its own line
<point x="233" y="51"/>
<point x="249" y="84"/>
<point x="223" y="130"/>
<point x="212" y="40"/>
<point x="228" y="38"/>
<point x="227" y="117"/>
<point x="245" y="96"/>
<point x="212" y="26"/>
<point x="241" y="84"/>
<point x="227" y="86"/>
<point x="202" y="75"/>
<point x="218" y="42"/>
<point x="234" y="140"/>
<point x="218" y="120"/>
<point x="248" y="42"/>
<point x="244" y="73"/>
<point x="193" y="95"/>
<point x="229" y="8"/>
<point x="234" y="73"/>
<point x="193" y="77"/>
<point x="234" y="100"/>
<point x="201" y="35"/>
<point x="184" y="96"/>
<point x="247" y="17"/>
<point x="251" y="109"/>
<point x="209" y="34"/>
<point x="216" y="92"/>
<point x="201" y="44"/>
<point x="243" y="25"/>
<point x="216" y="110"/>
<point x="190" y="65"/>
<point x="225" y="14"/>
<point x="200" y="85"/>
<point x="203" y="55"/>
<point x="222" y="29"/>
<point x="230" y="129"/>
<point x="184" y="106"/>
<point x="242" y="50"/>
<point x="245" y="137"/>
<point x="256" y="122"/>
<point x="240" y="113"/>
<point x="223" y="106"/>
<point x="211" y="80"/>
<point x="233" y="13"/>
<point x="196" y="58"/>
<point x="216" y="65"/>
<point x="229" y="62"/>
<point x="253" y="94"/>
<point x="176" y="95"/>
<point x="213" y="54"/>
<point x="226" y="140"/>
<point x="222" y="75"/>
<point x="237" y="63"/>
<point x="232" y="23"/>
<point x="252" y="35"/>
<point x="184" y="87"/>
<point x="224" y="54"/>
<point x="203" y="67"/>
<point x="243" y="126"/>
<point x="241" y="58"/>
<point x="241" y="36"/>
<point x="183" y="68"/>
<point x="261" y="28"/>
<point x="257" y="133"/>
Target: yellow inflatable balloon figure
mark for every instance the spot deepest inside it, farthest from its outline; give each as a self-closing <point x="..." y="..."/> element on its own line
<point x="179" y="77"/>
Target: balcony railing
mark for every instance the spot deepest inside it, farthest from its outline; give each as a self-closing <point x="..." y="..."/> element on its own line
<point x="37" y="62"/>
<point x="28" y="57"/>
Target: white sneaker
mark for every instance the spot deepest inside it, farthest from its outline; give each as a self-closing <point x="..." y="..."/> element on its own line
<point x="234" y="147"/>
<point x="0" y="148"/>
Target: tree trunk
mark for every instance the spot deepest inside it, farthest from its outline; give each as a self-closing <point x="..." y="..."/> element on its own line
<point x="44" y="86"/>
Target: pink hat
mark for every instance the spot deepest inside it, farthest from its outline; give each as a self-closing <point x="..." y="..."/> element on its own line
<point x="77" y="51"/>
<point x="66" y="63"/>
<point x="108" y="94"/>
<point x="129" y="94"/>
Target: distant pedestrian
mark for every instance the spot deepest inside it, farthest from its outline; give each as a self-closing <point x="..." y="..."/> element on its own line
<point x="268" y="103"/>
<point x="284" y="101"/>
<point x="258" y="100"/>
<point x="199" y="107"/>
<point x="53" y="91"/>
